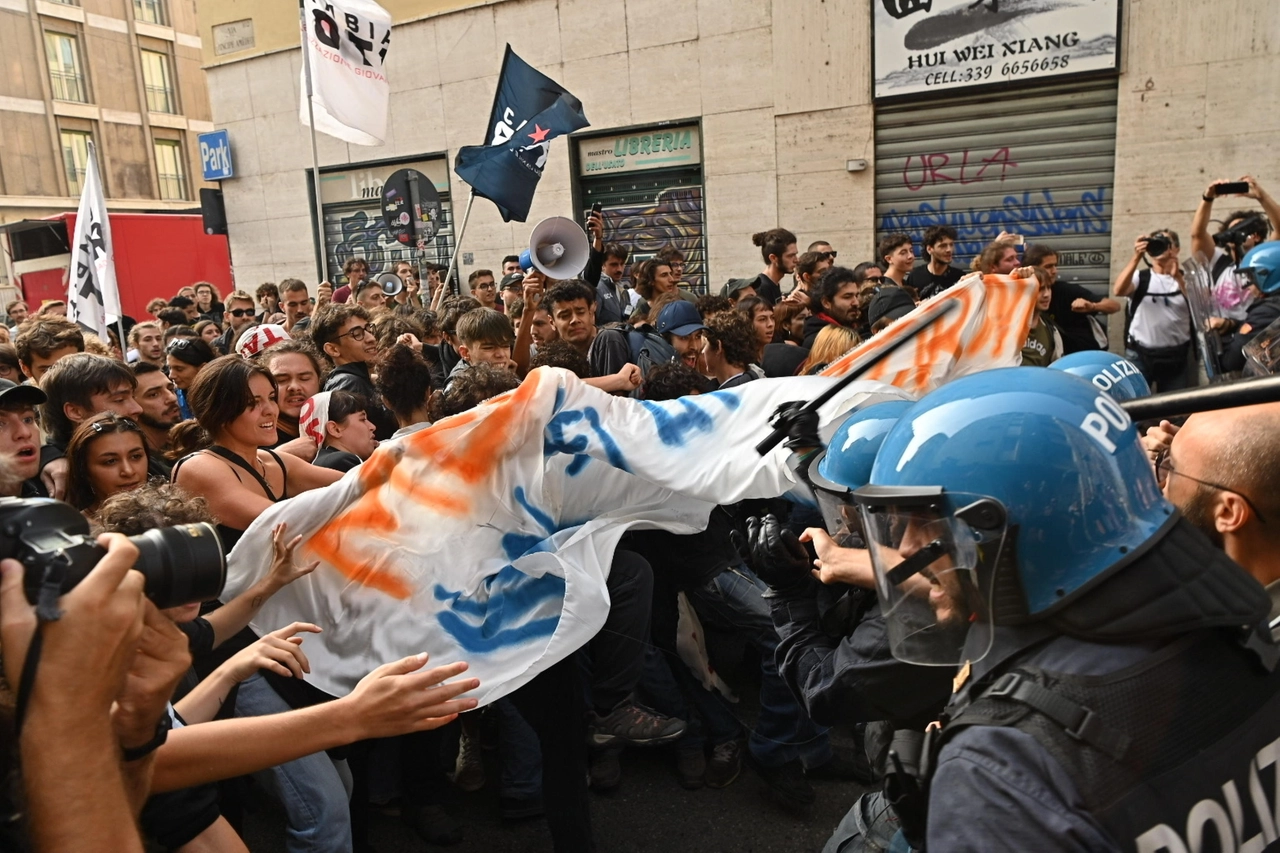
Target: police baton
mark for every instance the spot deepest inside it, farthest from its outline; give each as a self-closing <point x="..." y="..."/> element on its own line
<point x="789" y="413"/>
<point x="1171" y="404"/>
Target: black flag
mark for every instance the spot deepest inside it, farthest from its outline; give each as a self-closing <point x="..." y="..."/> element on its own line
<point x="529" y="110"/>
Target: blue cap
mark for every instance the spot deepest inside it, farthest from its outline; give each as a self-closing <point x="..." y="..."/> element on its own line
<point x="679" y="318"/>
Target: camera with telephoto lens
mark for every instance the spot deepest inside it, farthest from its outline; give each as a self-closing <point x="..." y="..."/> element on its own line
<point x="1233" y="239"/>
<point x="182" y="564"/>
<point x="1157" y="245"/>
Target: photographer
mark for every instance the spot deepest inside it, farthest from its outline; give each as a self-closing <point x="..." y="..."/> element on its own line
<point x="1240" y="232"/>
<point x="1158" y="328"/>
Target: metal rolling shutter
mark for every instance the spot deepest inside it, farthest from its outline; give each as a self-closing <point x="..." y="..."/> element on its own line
<point x="648" y="210"/>
<point x="1038" y="162"/>
<point x="356" y="230"/>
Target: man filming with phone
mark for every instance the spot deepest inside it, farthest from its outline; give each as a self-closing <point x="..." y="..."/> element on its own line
<point x="1240" y="231"/>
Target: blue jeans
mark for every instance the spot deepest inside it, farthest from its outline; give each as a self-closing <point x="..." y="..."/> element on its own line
<point x="869" y="827"/>
<point x="521" y="754"/>
<point x="734" y="600"/>
<point x="314" y="789"/>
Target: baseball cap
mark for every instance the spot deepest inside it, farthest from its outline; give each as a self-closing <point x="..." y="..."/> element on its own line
<point x="13" y="394"/>
<point x="891" y="302"/>
<point x="735" y="286"/>
<point x="679" y="318"/>
<point x="516" y="278"/>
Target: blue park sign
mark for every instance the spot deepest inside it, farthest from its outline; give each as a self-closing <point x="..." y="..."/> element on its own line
<point x="215" y="155"/>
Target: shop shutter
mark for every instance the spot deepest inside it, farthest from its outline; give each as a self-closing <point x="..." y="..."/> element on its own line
<point x="648" y="210"/>
<point x="1038" y="162"/>
<point x="356" y="230"/>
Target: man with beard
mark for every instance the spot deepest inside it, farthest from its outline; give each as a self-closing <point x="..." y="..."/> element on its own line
<point x="778" y="249"/>
<point x="835" y="303"/>
<point x="148" y="341"/>
<point x="1221" y="470"/>
<point x="160" y="412"/>
<point x="937" y="273"/>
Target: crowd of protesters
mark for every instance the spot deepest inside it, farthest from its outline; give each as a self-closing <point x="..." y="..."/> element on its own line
<point x="198" y="415"/>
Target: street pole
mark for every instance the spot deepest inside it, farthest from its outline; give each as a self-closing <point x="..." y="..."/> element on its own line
<point x="457" y="246"/>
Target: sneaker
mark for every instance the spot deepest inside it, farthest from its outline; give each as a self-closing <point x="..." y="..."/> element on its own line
<point x="725" y="765"/>
<point x="606" y="769"/>
<point x="691" y="766"/>
<point x="850" y="766"/>
<point x="516" y="808"/>
<point x="468" y="772"/>
<point x="634" y="724"/>
<point x="787" y="782"/>
<point x="434" y="825"/>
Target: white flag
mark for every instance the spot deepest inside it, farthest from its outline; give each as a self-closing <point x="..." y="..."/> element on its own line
<point x="93" y="300"/>
<point x="345" y="42"/>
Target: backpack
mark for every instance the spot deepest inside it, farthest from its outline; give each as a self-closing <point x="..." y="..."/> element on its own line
<point x="649" y="349"/>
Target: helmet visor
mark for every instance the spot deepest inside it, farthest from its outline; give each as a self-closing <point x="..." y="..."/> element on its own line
<point x="839" y="510"/>
<point x="934" y="590"/>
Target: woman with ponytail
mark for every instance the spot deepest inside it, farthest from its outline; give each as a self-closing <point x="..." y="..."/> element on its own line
<point x="224" y="456"/>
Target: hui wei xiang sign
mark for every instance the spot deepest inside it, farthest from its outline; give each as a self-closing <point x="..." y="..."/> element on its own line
<point x="937" y="45"/>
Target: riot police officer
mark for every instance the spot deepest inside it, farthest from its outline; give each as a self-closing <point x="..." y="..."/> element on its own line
<point x="1115" y="688"/>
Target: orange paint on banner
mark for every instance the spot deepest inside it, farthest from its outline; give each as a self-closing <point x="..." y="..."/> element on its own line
<point x="328" y="545"/>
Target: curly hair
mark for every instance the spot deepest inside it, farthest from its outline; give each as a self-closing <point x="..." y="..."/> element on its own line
<point x="712" y="304"/>
<point x="669" y="381"/>
<point x="404" y="381"/>
<point x="43" y="336"/>
<point x="389" y="327"/>
<point x="469" y="389"/>
<point x="150" y="506"/>
<point x="560" y="353"/>
<point x="298" y="346"/>
<point x="736" y="337"/>
<point x="643" y="273"/>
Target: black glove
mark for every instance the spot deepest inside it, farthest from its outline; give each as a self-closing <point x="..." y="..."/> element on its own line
<point x="801" y="425"/>
<point x="777" y="556"/>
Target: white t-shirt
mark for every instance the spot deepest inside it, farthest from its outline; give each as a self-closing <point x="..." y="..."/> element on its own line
<point x="1163" y="318"/>
<point x="1236" y="312"/>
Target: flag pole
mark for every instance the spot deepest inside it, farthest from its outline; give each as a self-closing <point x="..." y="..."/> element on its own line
<point x="311" y="125"/>
<point x="457" y="246"/>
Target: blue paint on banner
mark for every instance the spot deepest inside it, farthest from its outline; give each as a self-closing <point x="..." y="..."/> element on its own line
<point x="674" y="429"/>
<point x="556" y="441"/>
<point x="544" y="521"/>
<point x="491" y="618"/>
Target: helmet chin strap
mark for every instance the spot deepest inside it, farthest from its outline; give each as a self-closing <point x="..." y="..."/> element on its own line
<point x="916" y="563"/>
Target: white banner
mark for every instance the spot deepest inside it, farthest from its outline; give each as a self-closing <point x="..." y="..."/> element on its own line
<point x="935" y="45"/>
<point x="93" y="299"/>
<point x="346" y="45"/>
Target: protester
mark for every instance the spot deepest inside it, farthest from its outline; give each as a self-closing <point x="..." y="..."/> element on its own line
<point x="208" y="331"/>
<point x="788" y="322"/>
<point x="405" y="384"/>
<point x="897" y="257"/>
<point x="484" y="337"/>
<point x="43" y="341"/>
<point x="936" y="274"/>
<point x="761" y="315"/>
<point x="344" y="336"/>
<point x="736" y="289"/>
<point x="15" y="313"/>
<point x="732" y="346"/>
<point x="187" y="306"/>
<point x="1073" y="308"/>
<point x="156" y="395"/>
<point x="368" y="295"/>
<point x="1044" y="342"/>
<point x="186" y="357"/>
<point x="108" y="455"/>
<point x="680" y="326"/>
<point x="999" y="257"/>
<point x="209" y="301"/>
<point x="613" y="302"/>
<point x="10" y="368"/>
<point x="296" y="304"/>
<point x="81" y="386"/>
<point x="652" y="279"/>
<point x="348" y="433"/>
<point x="240" y="314"/>
<point x="147" y="341"/>
<point x="355" y="270"/>
<point x="809" y="269"/>
<point x="52" y="308"/>
<point x="482" y="286"/>
<point x="829" y="344"/>
<point x="778" y="249"/>
<point x="890" y="303"/>
<point x="268" y="298"/>
<point x="572" y="306"/>
<point x="299" y="375"/>
<point x="836" y="304"/>
<point x="1252" y="228"/>
<point x="20" y="439"/>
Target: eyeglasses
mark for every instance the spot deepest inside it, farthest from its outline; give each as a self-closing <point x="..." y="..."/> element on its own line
<point x="1164" y="467"/>
<point x="357" y="333"/>
<point x="485" y="286"/>
<point x="677" y="265"/>
<point x="240" y="312"/>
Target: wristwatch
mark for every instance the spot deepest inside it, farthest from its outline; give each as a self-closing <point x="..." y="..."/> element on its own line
<point x="162" y="734"/>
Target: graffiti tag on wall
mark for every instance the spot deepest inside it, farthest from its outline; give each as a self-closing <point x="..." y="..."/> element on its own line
<point x="674" y="217"/>
<point x="365" y="236"/>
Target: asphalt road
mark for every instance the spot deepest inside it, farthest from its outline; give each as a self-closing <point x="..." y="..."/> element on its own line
<point x="649" y="811"/>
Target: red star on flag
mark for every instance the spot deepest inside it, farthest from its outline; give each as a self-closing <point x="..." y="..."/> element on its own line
<point x="539" y="134"/>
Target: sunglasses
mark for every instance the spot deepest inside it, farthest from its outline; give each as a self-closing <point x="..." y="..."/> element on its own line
<point x="240" y="312"/>
<point x="1164" y="467"/>
<point x="830" y="256"/>
<point x="357" y="333"/>
<point x="100" y="427"/>
<point x="178" y="344"/>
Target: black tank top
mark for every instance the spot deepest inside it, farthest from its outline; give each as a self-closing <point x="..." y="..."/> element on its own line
<point x="231" y="535"/>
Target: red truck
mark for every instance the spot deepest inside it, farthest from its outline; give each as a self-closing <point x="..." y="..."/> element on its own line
<point x="156" y="254"/>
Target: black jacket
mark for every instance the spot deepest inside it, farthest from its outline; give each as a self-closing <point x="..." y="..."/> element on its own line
<point x="814" y="324"/>
<point x="355" y="378"/>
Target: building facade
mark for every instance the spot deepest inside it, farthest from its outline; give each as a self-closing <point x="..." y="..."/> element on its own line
<point x="123" y="74"/>
<point x="1081" y="124"/>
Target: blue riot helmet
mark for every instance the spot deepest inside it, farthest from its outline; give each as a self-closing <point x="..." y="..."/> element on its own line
<point x="846" y="463"/>
<point x="1261" y="267"/>
<point x="1002" y="497"/>
<point x="1112" y="373"/>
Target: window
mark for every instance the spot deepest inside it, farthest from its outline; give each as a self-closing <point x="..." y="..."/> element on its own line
<point x="148" y="11"/>
<point x="75" y="158"/>
<point x="63" y="53"/>
<point x="158" y="82"/>
<point x="173" y="177"/>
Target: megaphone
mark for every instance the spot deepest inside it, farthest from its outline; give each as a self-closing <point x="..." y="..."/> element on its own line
<point x="390" y="283"/>
<point x="558" y="248"/>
